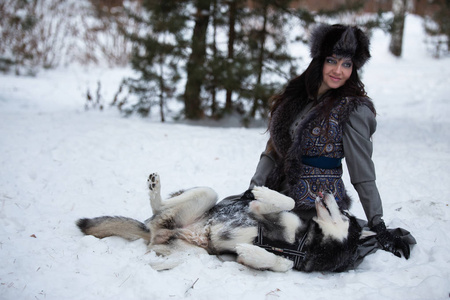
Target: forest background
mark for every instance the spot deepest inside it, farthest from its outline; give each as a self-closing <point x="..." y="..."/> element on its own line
<point x="199" y="59"/>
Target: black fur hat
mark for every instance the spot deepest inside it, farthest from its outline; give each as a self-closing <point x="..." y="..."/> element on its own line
<point x="341" y="40"/>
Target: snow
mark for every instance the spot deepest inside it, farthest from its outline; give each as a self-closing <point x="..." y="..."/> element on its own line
<point x="60" y="163"/>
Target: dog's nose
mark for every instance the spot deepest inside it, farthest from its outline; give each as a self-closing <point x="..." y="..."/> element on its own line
<point x="320" y="194"/>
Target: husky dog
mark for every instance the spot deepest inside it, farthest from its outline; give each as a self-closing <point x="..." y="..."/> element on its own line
<point x="261" y="232"/>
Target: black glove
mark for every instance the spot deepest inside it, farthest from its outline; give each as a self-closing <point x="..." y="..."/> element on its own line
<point x="391" y="242"/>
<point x="248" y="195"/>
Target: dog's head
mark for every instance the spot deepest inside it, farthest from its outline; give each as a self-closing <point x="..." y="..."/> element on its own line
<point x="334" y="237"/>
<point x="334" y="223"/>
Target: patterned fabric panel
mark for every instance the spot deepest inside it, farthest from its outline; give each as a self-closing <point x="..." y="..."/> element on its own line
<point x="315" y="180"/>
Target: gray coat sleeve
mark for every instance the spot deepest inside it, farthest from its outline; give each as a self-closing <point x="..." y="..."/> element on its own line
<point x="358" y="156"/>
<point x="266" y="164"/>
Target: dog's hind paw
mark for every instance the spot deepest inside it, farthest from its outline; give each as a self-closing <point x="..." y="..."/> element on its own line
<point x="263" y="193"/>
<point x="154" y="183"/>
<point x="164" y="264"/>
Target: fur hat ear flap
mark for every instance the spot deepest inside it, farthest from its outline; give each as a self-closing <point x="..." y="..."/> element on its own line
<point x="318" y="41"/>
<point x="362" y="53"/>
<point x="341" y="40"/>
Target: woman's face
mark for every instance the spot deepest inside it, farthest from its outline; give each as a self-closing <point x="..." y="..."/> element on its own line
<point x="336" y="71"/>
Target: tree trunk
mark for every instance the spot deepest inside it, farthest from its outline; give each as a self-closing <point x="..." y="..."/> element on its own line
<point x="214" y="50"/>
<point x="399" y="8"/>
<point x="195" y="66"/>
<point x="262" y="42"/>
<point x="162" y="88"/>
<point x="231" y="39"/>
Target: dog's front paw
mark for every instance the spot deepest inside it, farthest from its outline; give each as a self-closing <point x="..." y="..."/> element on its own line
<point x="282" y="265"/>
<point x="270" y="201"/>
<point x="153" y="182"/>
<point x="258" y="258"/>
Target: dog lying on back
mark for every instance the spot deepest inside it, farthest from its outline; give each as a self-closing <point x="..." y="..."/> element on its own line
<point x="262" y="232"/>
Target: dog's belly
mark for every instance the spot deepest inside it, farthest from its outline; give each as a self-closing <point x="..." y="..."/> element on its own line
<point x="230" y="224"/>
<point x="224" y="238"/>
<point x="196" y="234"/>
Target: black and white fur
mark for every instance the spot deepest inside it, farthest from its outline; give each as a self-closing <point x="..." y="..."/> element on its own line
<point x="192" y="221"/>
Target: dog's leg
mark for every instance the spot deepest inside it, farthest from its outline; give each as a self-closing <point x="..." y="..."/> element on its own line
<point x="175" y="253"/>
<point x="198" y="197"/>
<point x="290" y="223"/>
<point x="154" y="187"/>
<point x="182" y="211"/>
<point x="190" y="205"/>
<point x="269" y="201"/>
<point x="258" y="258"/>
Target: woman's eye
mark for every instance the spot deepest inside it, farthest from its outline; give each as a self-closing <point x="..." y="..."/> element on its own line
<point x="331" y="61"/>
<point x="347" y="65"/>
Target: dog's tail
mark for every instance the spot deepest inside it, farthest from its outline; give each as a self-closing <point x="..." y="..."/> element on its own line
<point x="126" y="228"/>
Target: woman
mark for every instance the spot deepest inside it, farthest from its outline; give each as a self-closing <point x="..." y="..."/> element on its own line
<point x="322" y="116"/>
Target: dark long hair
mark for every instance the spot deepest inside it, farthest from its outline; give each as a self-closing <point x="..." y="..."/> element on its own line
<point x="305" y="87"/>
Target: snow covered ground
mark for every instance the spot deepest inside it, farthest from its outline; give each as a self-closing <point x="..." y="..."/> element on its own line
<point x="59" y="163"/>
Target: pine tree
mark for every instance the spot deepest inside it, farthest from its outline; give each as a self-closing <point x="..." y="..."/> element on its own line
<point x="239" y="67"/>
<point x="437" y="27"/>
<point x="228" y="66"/>
<point x="268" y="48"/>
<point x="157" y="55"/>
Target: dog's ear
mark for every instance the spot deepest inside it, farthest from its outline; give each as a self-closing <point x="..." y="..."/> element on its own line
<point x="366" y="234"/>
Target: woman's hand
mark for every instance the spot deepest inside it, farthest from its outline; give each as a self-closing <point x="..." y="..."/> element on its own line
<point x="391" y="242"/>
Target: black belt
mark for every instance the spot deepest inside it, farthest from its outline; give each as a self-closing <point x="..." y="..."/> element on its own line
<point x="322" y="162"/>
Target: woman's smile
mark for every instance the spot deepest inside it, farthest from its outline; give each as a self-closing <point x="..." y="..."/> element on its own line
<point x="334" y="78"/>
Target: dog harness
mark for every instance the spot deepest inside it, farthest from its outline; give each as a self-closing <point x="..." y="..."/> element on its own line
<point x="293" y="252"/>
